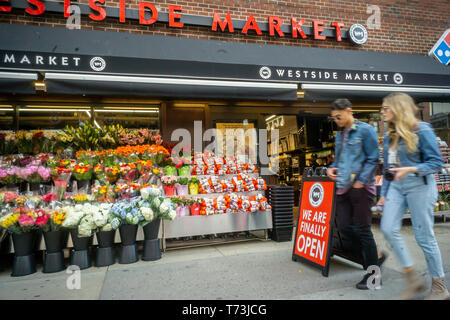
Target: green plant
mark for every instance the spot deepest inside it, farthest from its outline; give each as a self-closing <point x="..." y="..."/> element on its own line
<point x="183" y="181"/>
<point x="194" y="180"/>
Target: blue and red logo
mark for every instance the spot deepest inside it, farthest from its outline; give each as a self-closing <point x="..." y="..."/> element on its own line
<point x="441" y="50"/>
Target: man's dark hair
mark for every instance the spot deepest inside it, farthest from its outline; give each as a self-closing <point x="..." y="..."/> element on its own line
<point x="341" y="104"/>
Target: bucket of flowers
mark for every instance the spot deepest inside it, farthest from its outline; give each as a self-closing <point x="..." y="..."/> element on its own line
<point x="100" y="174"/>
<point x="35" y="176"/>
<point x="55" y="238"/>
<point x="129" y="216"/>
<point x="83" y="174"/>
<point x="127" y="190"/>
<point x="105" y="233"/>
<point x="112" y="173"/>
<point x="10" y="176"/>
<point x="129" y="172"/>
<point x="21" y="223"/>
<point x="104" y="193"/>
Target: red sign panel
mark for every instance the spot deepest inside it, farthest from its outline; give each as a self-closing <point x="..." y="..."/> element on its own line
<point x="316" y="212"/>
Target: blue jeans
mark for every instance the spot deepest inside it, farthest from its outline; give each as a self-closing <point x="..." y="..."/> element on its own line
<point x="411" y="192"/>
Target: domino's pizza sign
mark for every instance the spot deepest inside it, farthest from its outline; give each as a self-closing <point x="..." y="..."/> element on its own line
<point x="441" y="50"/>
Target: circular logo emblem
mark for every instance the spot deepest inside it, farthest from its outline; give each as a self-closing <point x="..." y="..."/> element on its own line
<point x="265" y="72"/>
<point x="398" y="78"/>
<point x="316" y="194"/>
<point x="358" y="34"/>
<point x="98" y="64"/>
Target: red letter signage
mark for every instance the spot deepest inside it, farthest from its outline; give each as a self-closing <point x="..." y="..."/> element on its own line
<point x="173" y="16"/>
<point x="5" y="8"/>
<point x="66" y="8"/>
<point x="100" y="10"/>
<point x="122" y="11"/>
<point x="297" y="28"/>
<point x="252" y="25"/>
<point x="338" y="27"/>
<point x="318" y="28"/>
<point x="276" y="26"/>
<point x="222" y="24"/>
<point x="40" y="8"/>
<point x="142" y="6"/>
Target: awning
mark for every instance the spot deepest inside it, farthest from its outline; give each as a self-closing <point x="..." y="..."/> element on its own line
<point x="59" y="50"/>
<point x="325" y="92"/>
<point x="95" y="84"/>
<point x="17" y="82"/>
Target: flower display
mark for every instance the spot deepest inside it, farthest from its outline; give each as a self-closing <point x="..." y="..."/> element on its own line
<point x="103" y="218"/>
<point x="100" y="174"/>
<point x="35" y="174"/>
<point x="104" y="193"/>
<point x="51" y="221"/>
<point x="128" y="171"/>
<point x="150" y="192"/>
<point x="20" y="220"/>
<point x="82" y="171"/>
<point x="127" y="190"/>
<point x="127" y="212"/>
<point x="10" y="175"/>
<point x="112" y="173"/>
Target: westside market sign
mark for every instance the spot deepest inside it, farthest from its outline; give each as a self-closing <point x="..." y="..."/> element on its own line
<point x="148" y="14"/>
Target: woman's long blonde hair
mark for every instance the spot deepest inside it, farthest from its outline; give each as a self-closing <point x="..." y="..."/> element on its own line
<point x="405" y="122"/>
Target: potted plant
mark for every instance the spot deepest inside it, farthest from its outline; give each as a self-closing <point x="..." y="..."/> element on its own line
<point x="183" y="168"/>
<point x="169" y="167"/>
<point x="182" y="208"/>
<point x="195" y="206"/>
<point x="169" y="185"/>
<point x="55" y="238"/>
<point x="182" y="186"/>
<point x="193" y="185"/>
<point x="106" y="232"/>
<point x="21" y="224"/>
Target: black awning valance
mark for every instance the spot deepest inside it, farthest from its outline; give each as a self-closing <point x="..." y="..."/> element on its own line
<point x="131" y="88"/>
<point x="17" y="83"/>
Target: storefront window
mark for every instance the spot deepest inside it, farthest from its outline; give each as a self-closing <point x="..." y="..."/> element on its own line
<point x="52" y="117"/>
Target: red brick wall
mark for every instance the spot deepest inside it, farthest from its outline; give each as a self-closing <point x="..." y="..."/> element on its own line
<point x="407" y="26"/>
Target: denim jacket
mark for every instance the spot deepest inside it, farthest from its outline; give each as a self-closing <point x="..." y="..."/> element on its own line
<point x="361" y="155"/>
<point x="431" y="155"/>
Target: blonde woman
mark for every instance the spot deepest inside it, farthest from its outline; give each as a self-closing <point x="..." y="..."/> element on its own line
<point x="411" y="157"/>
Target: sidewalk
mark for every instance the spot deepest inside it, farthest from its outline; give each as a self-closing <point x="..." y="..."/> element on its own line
<point x="248" y="270"/>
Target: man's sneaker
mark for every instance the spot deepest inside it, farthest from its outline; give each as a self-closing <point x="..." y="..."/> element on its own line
<point x="383" y="258"/>
<point x="363" y="284"/>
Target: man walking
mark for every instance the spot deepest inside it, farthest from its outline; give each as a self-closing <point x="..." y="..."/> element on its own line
<point x="356" y="158"/>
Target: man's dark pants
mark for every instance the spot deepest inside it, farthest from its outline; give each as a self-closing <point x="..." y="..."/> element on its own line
<point x="354" y="219"/>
